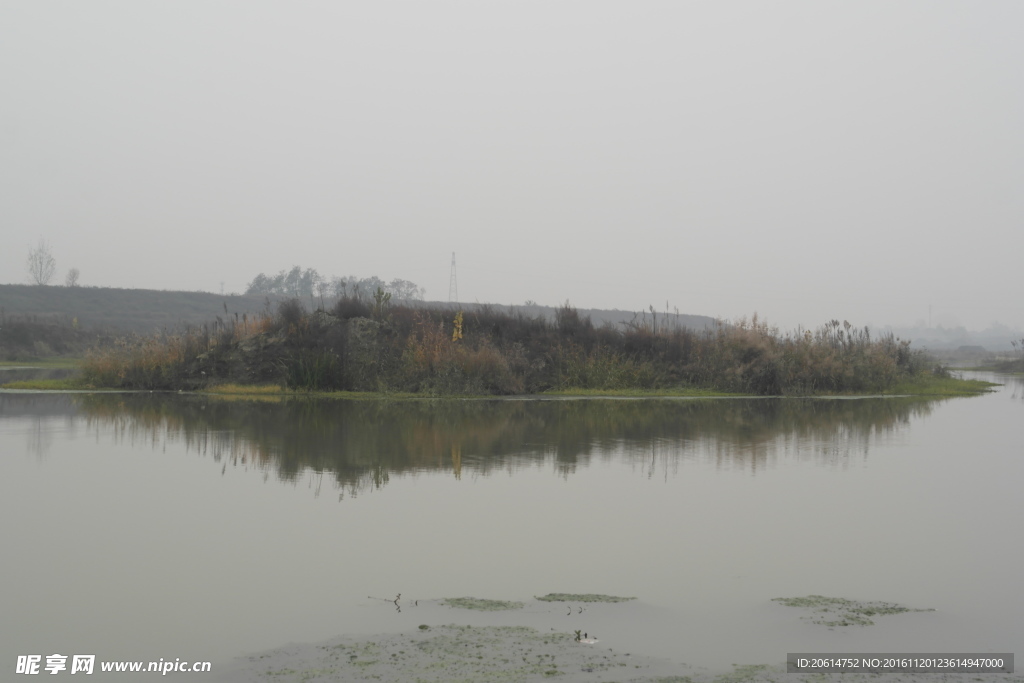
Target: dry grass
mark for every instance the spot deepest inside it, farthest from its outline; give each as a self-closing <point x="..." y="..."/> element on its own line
<point x="421" y="351"/>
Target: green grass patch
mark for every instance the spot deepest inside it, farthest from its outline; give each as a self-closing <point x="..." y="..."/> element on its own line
<point x="246" y="389"/>
<point x="383" y="395"/>
<point x="66" y="384"/>
<point x="925" y="385"/>
<point x="481" y="604"/>
<point x="267" y="390"/>
<point x="742" y="672"/>
<point x="581" y="597"/>
<point x="930" y="385"/>
<point x="44" y="363"/>
<point x="993" y="368"/>
<point x="686" y="392"/>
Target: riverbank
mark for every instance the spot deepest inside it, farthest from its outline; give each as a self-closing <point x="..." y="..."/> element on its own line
<point x="926" y="386"/>
<point x="42" y="363"/>
<point x="937" y="387"/>
<point x="454" y="654"/>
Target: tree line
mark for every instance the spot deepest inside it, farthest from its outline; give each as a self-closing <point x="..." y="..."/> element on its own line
<point x="308" y="283"/>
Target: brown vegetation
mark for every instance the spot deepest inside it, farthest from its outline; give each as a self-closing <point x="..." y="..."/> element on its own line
<point x="374" y="345"/>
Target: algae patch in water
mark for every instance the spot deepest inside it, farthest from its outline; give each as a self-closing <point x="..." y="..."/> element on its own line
<point x="447" y="654"/>
<point x="512" y="654"/>
<point x="743" y="673"/>
<point x="581" y="597"/>
<point x="842" y="612"/>
<point x="481" y="604"/>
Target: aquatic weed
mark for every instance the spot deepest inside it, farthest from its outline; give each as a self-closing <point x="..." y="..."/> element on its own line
<point x="842" y="612"/>
<point x="581" y="597"/>
<point x="481" y="604"/>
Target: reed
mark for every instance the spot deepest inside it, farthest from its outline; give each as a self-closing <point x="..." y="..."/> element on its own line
<point x="381" y="346"/>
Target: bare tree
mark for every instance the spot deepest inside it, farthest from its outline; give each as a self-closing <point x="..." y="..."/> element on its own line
<point x="71" y="280"/>
<point x="41" y="264"/>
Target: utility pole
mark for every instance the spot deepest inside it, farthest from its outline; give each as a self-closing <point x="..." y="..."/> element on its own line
<point x="453" y="285"/>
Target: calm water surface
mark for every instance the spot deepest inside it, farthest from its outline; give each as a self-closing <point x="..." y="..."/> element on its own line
<point x="148" y="526"/>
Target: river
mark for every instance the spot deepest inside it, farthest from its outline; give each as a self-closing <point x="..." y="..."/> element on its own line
<point x="146" y="526"/>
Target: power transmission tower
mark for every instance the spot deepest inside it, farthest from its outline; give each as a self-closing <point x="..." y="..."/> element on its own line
<point x="453" y="285"/>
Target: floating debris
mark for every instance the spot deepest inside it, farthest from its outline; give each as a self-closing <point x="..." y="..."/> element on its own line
<point x="481" y="604"/>
<point x="581" y="597"/>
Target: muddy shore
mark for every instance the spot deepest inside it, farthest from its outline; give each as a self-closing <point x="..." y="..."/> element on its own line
<point x="515" y="641"/>
<point x="467" y="654"/>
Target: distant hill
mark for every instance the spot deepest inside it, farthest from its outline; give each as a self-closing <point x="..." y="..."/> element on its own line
<point x="146" y="311"/>
<point x="143" y="311"/>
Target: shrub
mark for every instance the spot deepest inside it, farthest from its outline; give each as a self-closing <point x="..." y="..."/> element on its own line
<point x="399" y="348"/>
<point x="350" y="307"/>
<point x="290" y="315"/>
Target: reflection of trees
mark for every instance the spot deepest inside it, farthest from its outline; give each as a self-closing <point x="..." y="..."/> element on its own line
<point x="17" y="404"/>
<point x="1014" y="383"/>
<point x="363" y="443"/>
<point x="40" y="438"/>
<point x="41" y="414"/>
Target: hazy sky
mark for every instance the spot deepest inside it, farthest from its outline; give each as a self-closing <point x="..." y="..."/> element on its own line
<point x="804" y="160"/>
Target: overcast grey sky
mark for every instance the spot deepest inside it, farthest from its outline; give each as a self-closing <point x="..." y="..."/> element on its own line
<point x="804" y="160"/>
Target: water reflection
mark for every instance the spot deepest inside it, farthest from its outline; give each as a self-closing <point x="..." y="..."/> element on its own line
<point x="1015" y="383"/>
<point x="362" y="444"/>
<point x="39" y="415"/>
